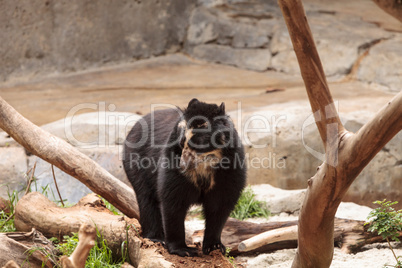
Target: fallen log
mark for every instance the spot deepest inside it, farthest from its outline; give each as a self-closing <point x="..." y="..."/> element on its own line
<point x="282" y="234"/>
<point x="26" y="249"/>
<point x="67" y="158"/>
<point x="35" y="210"/>
<point x="350" y="235"/>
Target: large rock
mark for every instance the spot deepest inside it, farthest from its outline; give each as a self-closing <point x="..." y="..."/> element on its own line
<point x="339" y="39"/>
<point x="279" y="200"/>
<point x="253" y="59"/>
<point x="70" y="188"/>
<point x="13" y="166"/>
<point x="93" y="130"/>
<point x="222" y="31"/>
<point x="98" y="135"/>
<point x="43" y="36"/>
<point x="383" y="65"/>
<point x="233" y="34"/>
<point x="291" y="201"/>
<point x="284" y="149"/>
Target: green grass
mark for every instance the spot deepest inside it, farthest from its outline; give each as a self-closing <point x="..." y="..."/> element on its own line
<point x="230" y="258"/>
<point x="99" y="256"/>
<point x="249" y="207"/>
<point x="8" y="226"/>
<point x="110" y="207"/>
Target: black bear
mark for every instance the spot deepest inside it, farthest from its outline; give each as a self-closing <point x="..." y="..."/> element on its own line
<point x="175" y="158"/>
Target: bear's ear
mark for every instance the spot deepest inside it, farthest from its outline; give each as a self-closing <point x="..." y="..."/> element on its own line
<point x="192" y="102"/>
<point x="222" y="108"/>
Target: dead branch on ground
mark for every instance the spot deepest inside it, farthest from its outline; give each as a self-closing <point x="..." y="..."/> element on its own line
<point x="64" y="156"/>
<point x="35" y="210"/>
<point x="86" y="241"/>
<point x="26" y="249"/>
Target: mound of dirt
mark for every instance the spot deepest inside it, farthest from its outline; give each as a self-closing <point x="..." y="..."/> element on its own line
<point x="215" y="259"/>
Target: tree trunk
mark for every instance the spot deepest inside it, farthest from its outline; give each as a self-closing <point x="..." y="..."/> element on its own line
<point x="67" y="158"/>
<point x="346" y="153"/>
<point x="35" y="210"/>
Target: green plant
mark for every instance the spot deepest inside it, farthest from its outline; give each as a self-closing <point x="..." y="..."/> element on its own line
<point x="99" y="256"/>
<point x="7" y="218"/>
<point x="249" y="207"/>
<point x="230" y="258"/>
<point x="48" y="256"/>
<point x="110" y="207"/>
<point x="388" y="223"/>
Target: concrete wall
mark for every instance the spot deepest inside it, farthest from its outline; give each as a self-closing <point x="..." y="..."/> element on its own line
<point x="67" y="35"/>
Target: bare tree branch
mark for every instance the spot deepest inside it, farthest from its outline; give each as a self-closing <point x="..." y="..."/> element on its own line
<point x="376" y="133"/>
<point x="346" y="153"/>
<point x="61" y="154"/>
<point x="312" y="72"/>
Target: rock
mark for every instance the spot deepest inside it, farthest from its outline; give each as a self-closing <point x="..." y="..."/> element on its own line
<point x="253" y="59"/>
<point x="209" y="25"/>
<point x="109" y="158"/>
<point x="352" y="211"/>
<point x="70" y="188"/>
<point x="279" y="200"/>
<point x="338" y="48"/>
<point x="282" y="201"/>
<point x="202" y="27"/>
<point x="99" y="135"/>
<point x="259" y="25"/>
<point x="284" y="149"/>
<point x="232" y="35"/>
<point x="6" y="140"/>
<point x="80" y="34"/>
<point x="383" y="64"/>
<point x="13" y="167"/>
<point x="248" y="36"/>
<point x="93" y="130"/>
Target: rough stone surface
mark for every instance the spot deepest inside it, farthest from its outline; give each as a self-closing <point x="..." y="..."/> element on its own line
<point x="338" y="48"/>
<point x="44" y="36"/>
<point x="93" y="130"/>
<point x="70" y="188"/>
<point x="13" y="167"/>
<point x="383" y="65"/>
<point x="253" y="59"/>
<point x="279" y="200"/>
<point x="284" y="149"/>
<point x="290" y="201"/>
<point x="99" y="136"/>
<point x="341" y="37"/>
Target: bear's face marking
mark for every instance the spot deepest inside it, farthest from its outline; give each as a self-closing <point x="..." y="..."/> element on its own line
<point x="198" y="166"/>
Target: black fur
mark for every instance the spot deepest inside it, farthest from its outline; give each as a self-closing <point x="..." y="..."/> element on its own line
<point x="181" y="147"/>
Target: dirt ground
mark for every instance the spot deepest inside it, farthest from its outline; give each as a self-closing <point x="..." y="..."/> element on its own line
<point x="215" y="259"/>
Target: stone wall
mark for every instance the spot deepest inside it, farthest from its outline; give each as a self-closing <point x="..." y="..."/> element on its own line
<point x="48" y="35"/>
